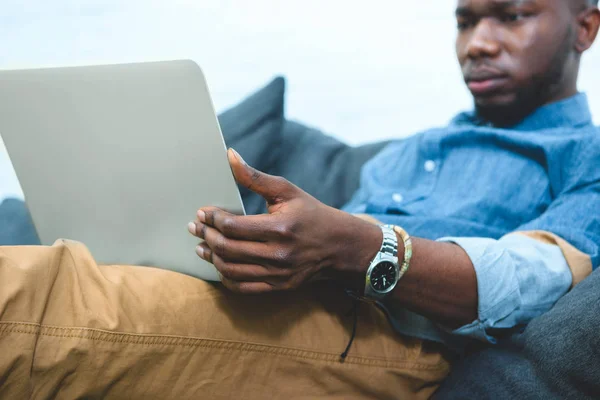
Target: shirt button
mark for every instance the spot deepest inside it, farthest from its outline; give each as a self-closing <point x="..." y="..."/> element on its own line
<point x="397" y="197"/>
<point x="429" y="165"/>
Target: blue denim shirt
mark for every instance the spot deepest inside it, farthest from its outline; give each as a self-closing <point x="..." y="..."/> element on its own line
<point x="472" y="183"/>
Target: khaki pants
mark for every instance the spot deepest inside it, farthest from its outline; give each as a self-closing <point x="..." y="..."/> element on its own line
<point x="70" y="329"/>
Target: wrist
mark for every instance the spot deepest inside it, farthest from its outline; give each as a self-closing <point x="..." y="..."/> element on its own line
<point x="365" y="255"/>
<point x="362" y="241"/>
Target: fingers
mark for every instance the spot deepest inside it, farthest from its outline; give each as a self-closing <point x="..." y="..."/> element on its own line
<point x="274" y="189"/>
<point x="256" y="228"/>
<point x="232" y="250"/>
<point x="245" y="279"/>
<point x="242" y="272"/>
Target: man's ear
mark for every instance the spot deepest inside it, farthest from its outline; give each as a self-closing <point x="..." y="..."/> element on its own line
<point x="588" y="22"/>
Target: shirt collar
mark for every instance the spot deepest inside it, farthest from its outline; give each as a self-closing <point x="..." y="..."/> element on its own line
<point x="571" y="112"/>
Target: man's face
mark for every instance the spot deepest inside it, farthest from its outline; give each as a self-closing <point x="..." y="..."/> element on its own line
<point x="515" y="54"/>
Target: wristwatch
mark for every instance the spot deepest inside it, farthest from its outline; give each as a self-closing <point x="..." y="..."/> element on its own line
<point x="384" y="271"/>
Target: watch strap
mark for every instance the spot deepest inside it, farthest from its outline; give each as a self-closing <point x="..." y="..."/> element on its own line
<point x="390" y="241"/>
<point x="408" y="250"/>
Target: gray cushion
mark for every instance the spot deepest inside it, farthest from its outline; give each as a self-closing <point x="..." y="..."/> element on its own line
<point x="321" y="165"/>
<point x="556" y="357"/>
<point x="253" y="126"/>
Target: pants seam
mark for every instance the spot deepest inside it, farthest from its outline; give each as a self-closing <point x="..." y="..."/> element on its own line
<point x="193" y="342"/>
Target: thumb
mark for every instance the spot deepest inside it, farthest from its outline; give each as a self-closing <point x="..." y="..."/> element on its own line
<point x="273" y="189"/>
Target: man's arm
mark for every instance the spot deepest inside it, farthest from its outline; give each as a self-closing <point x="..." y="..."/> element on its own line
<point x="440" y="284"/>
<point x="301" y="237"/>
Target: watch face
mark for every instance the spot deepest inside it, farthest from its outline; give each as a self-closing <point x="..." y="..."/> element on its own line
<point x="383" y="276"/>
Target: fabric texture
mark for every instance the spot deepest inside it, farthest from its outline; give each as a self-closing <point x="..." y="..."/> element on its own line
<point x="556" y="357"/>
<point x="466" y="181"/>
<point x="70" y="329"/>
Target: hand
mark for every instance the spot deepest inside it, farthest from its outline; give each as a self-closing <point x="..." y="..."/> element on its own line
<point x="298" y="238"/>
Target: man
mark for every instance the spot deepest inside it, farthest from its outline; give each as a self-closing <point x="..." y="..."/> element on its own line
<point x="501" y="206"/>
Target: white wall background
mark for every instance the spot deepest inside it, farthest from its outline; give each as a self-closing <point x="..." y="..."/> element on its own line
<point x="360" y="70"/>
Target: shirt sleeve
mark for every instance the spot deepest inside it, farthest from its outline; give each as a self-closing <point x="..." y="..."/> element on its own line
<point x="522" y="275"/>
<point x="518" y="278"/>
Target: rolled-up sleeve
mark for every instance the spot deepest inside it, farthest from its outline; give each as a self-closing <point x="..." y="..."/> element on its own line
<point x="518" y="278"/>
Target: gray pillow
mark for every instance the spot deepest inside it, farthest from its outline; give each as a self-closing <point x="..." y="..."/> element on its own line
<point x="253" y="126"/>
<point x="557" y="356"/>
<point x="323" y="166"/>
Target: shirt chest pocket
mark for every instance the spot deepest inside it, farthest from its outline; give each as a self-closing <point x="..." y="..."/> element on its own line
<point x="402" y="187"/>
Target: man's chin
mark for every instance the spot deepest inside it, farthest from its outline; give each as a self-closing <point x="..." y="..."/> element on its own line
<point x="501" y="101"/>
<point x="503" y="110"/>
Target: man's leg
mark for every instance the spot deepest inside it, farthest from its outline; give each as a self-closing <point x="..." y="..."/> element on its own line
<point x="72" y="329"/>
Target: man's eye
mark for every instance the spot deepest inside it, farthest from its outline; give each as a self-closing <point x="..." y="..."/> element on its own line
<point x="464" y="24"/>
<point x="512" y="17"/>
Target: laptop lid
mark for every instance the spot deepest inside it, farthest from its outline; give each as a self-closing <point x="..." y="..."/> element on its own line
<point x="119" y="157"/>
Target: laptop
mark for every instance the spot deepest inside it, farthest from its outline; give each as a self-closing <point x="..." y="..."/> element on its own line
<point x="119" y="157"/>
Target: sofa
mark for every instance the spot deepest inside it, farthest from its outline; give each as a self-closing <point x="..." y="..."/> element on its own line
<point x="557" y="356"/>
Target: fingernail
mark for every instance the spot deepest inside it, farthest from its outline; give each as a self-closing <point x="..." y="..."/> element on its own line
<point x="192" y="228"/>
<point x="201" y="216"/>
<point x="239" y="157"/>
<point x="200" y="251"/>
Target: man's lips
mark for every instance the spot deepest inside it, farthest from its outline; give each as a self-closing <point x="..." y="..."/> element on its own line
<point x="486" y="86"/>
<point x="485" y="81"/>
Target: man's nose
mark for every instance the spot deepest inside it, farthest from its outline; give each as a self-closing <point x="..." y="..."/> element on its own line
<point x="483" y="41"/>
